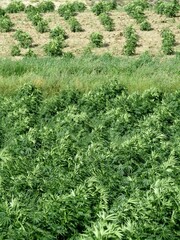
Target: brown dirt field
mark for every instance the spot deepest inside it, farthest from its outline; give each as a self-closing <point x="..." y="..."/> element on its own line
<point x="77" y="42"/>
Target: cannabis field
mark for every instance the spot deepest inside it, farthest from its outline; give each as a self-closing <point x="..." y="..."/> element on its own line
<point x="89" y="144"/>
<point x="100" y="164"/>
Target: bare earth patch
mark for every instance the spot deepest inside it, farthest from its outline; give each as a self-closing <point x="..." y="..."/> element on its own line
<point x="77" y="42"/>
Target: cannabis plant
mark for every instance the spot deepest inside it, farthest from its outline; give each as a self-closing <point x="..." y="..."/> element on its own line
<point x="24" y="38"/>
<point x="131" y="41"/>
<point x="168" y="41"/>
<point x="96" y="39"/>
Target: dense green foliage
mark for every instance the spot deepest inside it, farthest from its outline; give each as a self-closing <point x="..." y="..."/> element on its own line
<point x="93" y="166"/>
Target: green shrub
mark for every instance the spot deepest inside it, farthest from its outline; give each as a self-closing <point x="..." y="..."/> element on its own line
<point x="98" y="8"/>
<point x="136" y="8"/>
<point x="15" y="7"/>
<point x="145" y="26"/>
<point x="159" y="7"/>
<point x="79" y="6"/>
<point x="75" y="26"/>
<point x="168" y="41"/>
<point x="46" y="6"/>
<point x="58" y="32"/>
<point x="111" y="5"/>
<point x="70" y="9"/>
<point x="66" y="11"/>
<point x="54" y="48"/>
<point x="103" y="7"/>
<point x="30" y="53"/>
<point x="30" y="9"/>
<point x="106" y="21"/>
<point x="24" y="38"/>
<point x="131" y="41"/>
<point x="42" y="26"/>
<point x="169" y="9"/>
<point x="15" y="51"/>
<point x="5" y="24"/>
<point x="96" y="39"/>
<point x="35" y="17"/>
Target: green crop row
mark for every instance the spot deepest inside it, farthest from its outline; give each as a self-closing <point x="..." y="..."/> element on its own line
<point x="102" y="9"/>
<point x="167" y="8"/>
<point x="16" y="6"/>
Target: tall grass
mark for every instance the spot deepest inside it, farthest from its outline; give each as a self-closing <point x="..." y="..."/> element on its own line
<point x="87" y="72"/>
